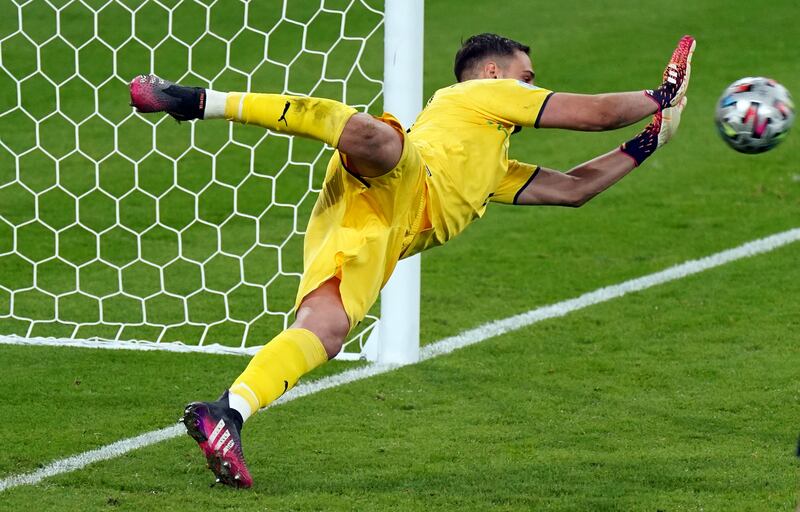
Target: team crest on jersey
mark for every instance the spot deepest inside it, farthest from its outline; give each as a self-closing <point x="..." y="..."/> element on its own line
<point x="527" y="85"/>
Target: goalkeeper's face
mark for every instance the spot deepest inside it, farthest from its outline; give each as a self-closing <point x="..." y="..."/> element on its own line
<point x="517" y="66"/>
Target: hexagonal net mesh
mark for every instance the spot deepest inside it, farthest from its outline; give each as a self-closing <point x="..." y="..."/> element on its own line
<point x="118" y="226"/>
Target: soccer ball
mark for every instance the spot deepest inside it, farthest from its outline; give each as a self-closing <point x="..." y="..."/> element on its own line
<point x="754" y="114"/>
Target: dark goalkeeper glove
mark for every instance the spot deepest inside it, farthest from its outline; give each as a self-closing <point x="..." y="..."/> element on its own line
<point x="676" y="76"/>
<point x="656" y="134"/>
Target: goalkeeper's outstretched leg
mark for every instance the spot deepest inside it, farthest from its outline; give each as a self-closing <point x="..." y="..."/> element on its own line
<point x="373" y="148"/>
<point x="315" y="337"/>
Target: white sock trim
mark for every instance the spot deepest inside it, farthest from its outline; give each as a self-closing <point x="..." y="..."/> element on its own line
<point x="215" y="104"/>
<point x="241" y="105"/>
<point x="239" y="404"/>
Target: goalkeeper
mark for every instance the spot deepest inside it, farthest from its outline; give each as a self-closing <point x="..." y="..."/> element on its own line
<point x="390" y="193"/>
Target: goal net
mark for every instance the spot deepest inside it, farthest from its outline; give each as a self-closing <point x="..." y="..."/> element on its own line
<point x="118" y="229"/>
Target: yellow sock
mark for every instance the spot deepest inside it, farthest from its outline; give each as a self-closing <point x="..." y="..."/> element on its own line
<point x="315" y="118"/>
<point x="278" y="366"/>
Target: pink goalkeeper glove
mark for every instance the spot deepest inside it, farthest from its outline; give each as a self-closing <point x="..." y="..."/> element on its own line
<point x="656" y="134"/>
<point x="676" y="76"/>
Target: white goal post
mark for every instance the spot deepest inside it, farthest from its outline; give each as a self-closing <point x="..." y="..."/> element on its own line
<point x="119" y="230"/>
<point x="398" y="329"/>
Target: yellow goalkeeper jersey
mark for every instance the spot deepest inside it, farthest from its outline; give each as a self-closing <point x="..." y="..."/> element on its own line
<point x="463" y="136"/>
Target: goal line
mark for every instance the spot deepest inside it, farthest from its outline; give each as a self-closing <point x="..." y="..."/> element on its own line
<point x="439" y="348"/>
<point x="145" y="345"/>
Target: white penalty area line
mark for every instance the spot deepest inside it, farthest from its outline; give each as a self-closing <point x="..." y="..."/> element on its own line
<point x="442" y="347"/>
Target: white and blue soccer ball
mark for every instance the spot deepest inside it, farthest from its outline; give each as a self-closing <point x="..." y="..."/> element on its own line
<point x="754" y="114"/>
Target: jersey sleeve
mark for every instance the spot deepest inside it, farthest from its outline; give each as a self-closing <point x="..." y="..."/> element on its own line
<point x="518" y="176"/>
<point x="510" y="102"/>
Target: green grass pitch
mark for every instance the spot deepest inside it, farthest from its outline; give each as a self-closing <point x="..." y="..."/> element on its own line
<point x="680" y="397"/>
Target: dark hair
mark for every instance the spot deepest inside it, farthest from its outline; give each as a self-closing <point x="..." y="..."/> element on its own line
<point x="481" y="46"/>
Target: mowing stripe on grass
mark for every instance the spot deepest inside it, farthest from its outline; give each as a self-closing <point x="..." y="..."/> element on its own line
<point x="442" y="347"/>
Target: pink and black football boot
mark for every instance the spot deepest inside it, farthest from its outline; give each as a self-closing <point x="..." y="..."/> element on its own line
<point x="215" y="427"/>
<point x="150" y="93"/>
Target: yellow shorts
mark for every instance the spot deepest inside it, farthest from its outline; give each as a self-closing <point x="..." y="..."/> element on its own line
<point x="361" y="226"/>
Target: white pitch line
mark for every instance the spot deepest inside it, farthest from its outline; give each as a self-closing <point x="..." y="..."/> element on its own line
<point x="688" y="268"/>
<point x="442" y="347"/>
<point x="146" y="346"/>
<point x="83" y="459"/>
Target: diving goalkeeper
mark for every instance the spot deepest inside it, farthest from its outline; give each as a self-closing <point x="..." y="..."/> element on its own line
<point x="390" y="193"/>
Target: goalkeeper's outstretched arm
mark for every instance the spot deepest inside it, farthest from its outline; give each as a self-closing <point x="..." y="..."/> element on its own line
<point x="578" y="185"/>
<point x="596" y="112"/>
